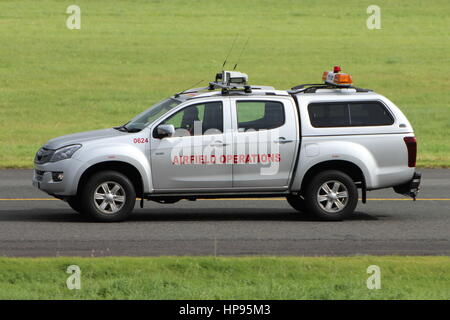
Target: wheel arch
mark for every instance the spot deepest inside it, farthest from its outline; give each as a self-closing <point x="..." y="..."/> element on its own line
<point x="127" y="169"/>
<point x="349" y="168"/>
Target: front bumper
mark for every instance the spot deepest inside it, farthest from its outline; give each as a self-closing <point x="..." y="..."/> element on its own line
<point x="43" y="179"/>
<point x="411" y="188"/>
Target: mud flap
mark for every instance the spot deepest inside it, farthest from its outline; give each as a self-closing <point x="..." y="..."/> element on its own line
<point x="411" y="188"/>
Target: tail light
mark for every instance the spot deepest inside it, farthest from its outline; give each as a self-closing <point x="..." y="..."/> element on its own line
<point x="411" y="145"/>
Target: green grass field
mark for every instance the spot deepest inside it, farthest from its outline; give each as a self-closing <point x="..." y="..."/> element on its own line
<point x="130" y="54"/>
<point x="226" y="278"/>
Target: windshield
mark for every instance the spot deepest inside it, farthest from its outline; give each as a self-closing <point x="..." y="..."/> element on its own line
<point x="148" y="116"/>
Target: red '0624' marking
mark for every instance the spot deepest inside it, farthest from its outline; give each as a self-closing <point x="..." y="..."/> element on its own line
<point x="140" y="140"/>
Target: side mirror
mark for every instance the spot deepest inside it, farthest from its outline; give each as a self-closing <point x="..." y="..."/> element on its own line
<point x="165" y="130"/>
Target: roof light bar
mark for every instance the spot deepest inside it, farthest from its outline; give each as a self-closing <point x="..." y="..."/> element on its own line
<point x="336" y="78"/>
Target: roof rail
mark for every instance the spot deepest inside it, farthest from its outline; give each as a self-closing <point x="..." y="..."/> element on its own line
<point x="313" y="87"/>
<point x="227" y="81"/>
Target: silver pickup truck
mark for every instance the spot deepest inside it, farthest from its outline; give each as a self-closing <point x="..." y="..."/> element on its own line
<point x="315" y="144"/>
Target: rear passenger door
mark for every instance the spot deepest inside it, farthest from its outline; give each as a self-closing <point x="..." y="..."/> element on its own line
<point x="264" y="142"/>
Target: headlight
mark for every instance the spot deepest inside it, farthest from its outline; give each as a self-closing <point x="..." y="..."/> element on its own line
<point x="43" y="155"/>
<point x="65" y="152"/>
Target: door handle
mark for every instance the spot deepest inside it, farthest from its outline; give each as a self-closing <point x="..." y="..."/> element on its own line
<point x="218" y="144"/>
<point x="283" y="140"/>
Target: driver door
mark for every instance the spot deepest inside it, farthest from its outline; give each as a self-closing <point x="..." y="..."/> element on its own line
<point x="190" y="160"/>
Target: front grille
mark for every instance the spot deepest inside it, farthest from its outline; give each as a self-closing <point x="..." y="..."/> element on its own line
<point x="43" y="156"/>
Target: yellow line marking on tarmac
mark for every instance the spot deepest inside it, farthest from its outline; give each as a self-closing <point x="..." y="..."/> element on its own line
<point x="240" y="199"/>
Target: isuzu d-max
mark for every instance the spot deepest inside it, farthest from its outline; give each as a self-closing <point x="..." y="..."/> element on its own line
<point x="315" y="144"/>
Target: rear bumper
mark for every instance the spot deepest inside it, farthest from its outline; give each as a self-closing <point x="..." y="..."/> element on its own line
<point x="411" y="188"/>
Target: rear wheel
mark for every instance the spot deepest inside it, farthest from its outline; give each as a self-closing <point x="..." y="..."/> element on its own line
<point x="331" y="195"/>
<point x="108" y="196"/>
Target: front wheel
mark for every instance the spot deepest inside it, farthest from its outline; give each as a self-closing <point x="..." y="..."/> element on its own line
<point x="108" y="196"/>
<point x="331" y="195"/>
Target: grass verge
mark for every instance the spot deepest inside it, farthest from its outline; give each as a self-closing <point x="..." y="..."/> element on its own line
<point x="226" y="278"/>
<point x="129" y="54"/>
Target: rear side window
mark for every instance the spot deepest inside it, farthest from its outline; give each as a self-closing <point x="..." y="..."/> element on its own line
<point x="329" y="115"/>
<point x="369" y="114"/>
<point x="259" y="115"/>
<point x="349" y="114"/>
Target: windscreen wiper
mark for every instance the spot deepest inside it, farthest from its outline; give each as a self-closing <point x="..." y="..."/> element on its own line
<point x="133" y="129"/>
<point x="122" y="127"/>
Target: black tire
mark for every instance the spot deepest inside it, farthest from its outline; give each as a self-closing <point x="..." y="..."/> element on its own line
<point x="75" y="203"/>
<point x="93" y="207"/>
<point x="321" y="209"/>
<point x="297" y="202"/>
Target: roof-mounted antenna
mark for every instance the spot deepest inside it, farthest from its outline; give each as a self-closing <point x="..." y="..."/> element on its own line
<point x="231" y="49"/>
<point x="176" y="95"/>
<point x="242" y="51"/>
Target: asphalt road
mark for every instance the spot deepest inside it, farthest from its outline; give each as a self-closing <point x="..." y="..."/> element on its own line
<point x="31" y="224"/>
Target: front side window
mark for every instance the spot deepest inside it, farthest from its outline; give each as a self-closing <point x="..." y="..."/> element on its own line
<point x="349" y="114"/>
<point x="198" y="119"/>
<point x="259" y="115"/>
